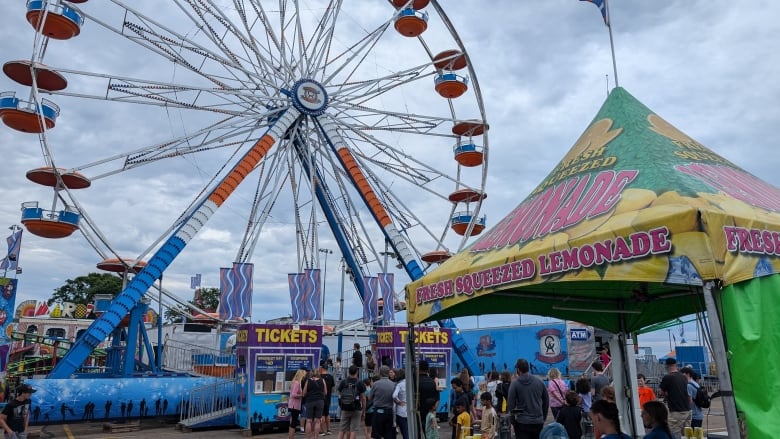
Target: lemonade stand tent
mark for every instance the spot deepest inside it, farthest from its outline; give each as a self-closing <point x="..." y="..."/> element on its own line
<point x="637" y="224"/>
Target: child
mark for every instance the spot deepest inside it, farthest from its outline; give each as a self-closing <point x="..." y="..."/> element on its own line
<point x="570" y="416"/>
<point x="646" y="392"/>
<point x="461" y="421"/>
<point x="431" y="426"/>
<point x="489" y="422"/>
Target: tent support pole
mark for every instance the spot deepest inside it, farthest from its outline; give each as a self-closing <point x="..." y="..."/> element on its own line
<point x="624" y="381"/>
<point x="721" y="362"/>
<point x="627" y="363"/>
<point x="411" y="392"/>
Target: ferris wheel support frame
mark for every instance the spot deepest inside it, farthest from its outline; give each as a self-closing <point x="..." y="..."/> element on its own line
<point x="132" y="294"/>
<point x="392" y="234"/>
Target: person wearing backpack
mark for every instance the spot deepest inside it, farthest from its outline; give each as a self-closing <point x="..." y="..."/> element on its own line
<point x="352" y="401"/>
<point x="697" y="415"/>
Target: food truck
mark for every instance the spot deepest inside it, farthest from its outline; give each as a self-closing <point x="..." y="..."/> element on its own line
<point x="432" y="344"/>
<point x="267" y="357"/>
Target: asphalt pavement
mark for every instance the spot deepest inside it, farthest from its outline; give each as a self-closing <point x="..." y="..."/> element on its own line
<point x="155" y="429"/>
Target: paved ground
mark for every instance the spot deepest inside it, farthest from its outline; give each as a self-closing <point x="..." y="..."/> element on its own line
<point x="153" y="429"/>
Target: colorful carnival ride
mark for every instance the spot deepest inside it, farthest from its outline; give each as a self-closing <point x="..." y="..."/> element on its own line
<point x="364" y="118"/>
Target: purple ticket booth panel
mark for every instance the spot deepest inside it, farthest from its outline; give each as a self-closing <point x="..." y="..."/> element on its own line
<point x="267" y="358"/>
<point x="432" y="344"/>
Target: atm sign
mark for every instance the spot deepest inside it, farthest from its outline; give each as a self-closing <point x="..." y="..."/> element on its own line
<point x="579" y="334"/>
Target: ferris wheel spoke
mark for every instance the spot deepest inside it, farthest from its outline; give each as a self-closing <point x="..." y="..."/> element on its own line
<point x="363" y="118"/>
<point x="263" y="57"/>
<point x="272" y="177"/>
<point x="205" y="9"/>
<point x="228" y="133"/>
<point x="165" y="42"/>
<point x="391" y="158"/>
<point x="366" y="90"/>
<point x="344" y="65"/>
<point x="321" y="40"/>
<point x="186" y="96"/>
<point x="191" y="54"/>
<point x="222" y="30"/>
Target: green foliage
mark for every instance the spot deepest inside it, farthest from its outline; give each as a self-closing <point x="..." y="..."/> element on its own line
<point x="83" y="289"/>
<point x="206" y="299"/>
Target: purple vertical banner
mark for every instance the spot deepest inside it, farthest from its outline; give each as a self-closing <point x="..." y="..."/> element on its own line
<point x="227" y="283"/>
<point x="370" y="299"/>
<point x="236" y="302"/>
<point x="195" y="282"/>
<point x="11" y="261"/>
<point x="7" y="303"/>
<point x="312" y="294"/>
<point x="385" y="281"/>
<point x="305" y="295"/>
<point x="295" y="280"/>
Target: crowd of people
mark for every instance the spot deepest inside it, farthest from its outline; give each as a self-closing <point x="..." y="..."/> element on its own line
<point x="519" y="401"/>
<point x="377" y="405"/>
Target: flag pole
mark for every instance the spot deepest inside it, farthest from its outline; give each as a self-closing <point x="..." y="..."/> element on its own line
<point x="611" y="43"/>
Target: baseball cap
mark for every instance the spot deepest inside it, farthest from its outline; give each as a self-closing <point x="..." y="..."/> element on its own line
<point x="670" y="361"/>
<point x="25" y="388"/>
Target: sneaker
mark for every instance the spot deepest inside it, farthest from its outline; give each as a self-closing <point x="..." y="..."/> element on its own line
<point x="322" y="433"/>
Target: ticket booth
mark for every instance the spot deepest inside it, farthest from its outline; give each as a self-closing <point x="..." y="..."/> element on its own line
<point x="431" y="344"/>
<point x="267" y="357"/>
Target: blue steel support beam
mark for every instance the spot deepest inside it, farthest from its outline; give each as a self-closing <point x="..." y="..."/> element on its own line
<point x="392" y="234"/>
<point x="137" y="287"/>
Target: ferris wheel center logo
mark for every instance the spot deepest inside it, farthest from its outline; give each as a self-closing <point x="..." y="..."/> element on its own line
<point x="310" y="97"/>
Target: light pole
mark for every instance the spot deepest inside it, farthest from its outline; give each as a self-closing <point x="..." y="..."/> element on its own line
<point x="327" y="251"/>
<point x="341" y="305"/>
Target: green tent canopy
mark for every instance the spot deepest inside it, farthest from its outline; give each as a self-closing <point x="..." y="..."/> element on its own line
<point x="626" y="231"/>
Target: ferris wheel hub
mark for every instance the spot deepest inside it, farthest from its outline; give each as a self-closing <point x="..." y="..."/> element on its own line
<point x="309" y="97"/>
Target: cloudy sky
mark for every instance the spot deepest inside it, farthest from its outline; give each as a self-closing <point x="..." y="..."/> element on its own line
<point x="543" y="67"/>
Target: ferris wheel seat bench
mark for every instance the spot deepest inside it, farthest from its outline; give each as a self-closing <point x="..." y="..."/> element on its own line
<point x="60" y="22"/>
<point x="468" y="154"/>
<point x="451" y="85"/>
<point x="416" y="4"/>
<point x="47" y="176"/>
<point x="470" y="128"/>
<point x="436" y="256"/>
<point x="45" y="77"/>
<point x="411" y="23"/>
<point x="467" y="196"/>
<point x="115" y="265"/>
<point x="49" y="223"/>
<point x="24" y="116"/>
<point x="460" y="223"/>
<point x="450" y="60"/>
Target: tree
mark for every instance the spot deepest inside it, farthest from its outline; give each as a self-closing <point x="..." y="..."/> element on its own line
<point x="83" y="289"/>
<point x="206" y="299"/>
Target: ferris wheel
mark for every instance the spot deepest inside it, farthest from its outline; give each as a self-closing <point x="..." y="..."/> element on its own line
<point x="356" y="122"/>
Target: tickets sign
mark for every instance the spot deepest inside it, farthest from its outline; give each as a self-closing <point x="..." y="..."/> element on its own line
<point x="279" y="335"/>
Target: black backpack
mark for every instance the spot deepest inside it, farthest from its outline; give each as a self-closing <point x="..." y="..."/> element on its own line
<point x="702" y="398"/>
<point x="348" y="396"/>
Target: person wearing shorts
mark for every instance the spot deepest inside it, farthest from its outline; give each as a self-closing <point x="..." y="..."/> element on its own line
<point x="314" y="392"/>
<point x="352" y="415"/>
